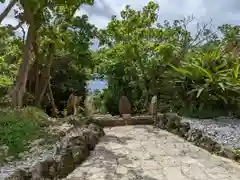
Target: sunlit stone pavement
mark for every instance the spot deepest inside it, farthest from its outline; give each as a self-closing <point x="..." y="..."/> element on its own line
<point x="146" y="153"/>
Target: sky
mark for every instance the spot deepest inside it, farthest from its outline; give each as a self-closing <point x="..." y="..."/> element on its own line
<point x="220" y="11"/>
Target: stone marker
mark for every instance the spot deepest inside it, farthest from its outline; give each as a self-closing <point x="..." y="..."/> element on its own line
<point x="124" y="106"/>
<point x="71" y="105"/>
<point x="153" y="106"/>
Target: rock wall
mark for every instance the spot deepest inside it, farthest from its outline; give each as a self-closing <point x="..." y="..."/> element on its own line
<point x="73" y="149"/>
<point x="112" y="121"/>
<point x="172" y="123"/>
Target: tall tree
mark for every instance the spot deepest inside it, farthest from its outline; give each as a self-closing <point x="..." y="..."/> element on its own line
<point x="38" y="15"/>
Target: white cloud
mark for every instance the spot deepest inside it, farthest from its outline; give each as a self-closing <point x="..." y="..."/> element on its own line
<point x="10" y="18"/>
<point x="101" y="12"/>
<point x="220" y="11"/>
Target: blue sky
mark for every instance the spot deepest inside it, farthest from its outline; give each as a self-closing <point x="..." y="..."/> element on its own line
<point x="97" y="84"/>
<point x="220" y="11"/>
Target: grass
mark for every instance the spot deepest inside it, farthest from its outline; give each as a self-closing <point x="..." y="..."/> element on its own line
<point x="18" y="127"/>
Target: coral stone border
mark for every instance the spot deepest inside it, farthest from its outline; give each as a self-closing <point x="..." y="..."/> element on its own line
<point x="172" y="123"/>
<point x="72" y="150"/>
<point x="76" y="145"/>
<point x="118" y="121"/>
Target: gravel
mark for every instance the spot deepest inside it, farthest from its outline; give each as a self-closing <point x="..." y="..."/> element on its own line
<point x="224" y="130"/>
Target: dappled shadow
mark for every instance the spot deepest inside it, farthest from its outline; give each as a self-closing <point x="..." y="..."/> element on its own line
<point x="132" y="174"/>
<point x="109" y="158"/>
<point x="154" y="130"/>
<point x="145" y="156"/>
<point x="147" y="128"/>
<point x="103" y="154"/>
<point x="102" y="159"/>
<point x="120" y="140"/>
<point x="107" y="162"/>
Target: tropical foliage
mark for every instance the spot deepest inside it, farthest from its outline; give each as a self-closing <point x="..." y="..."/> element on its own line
<point x="138" y="57"/>
<point x="190" y="73"/>
<point x="50" y="59"/>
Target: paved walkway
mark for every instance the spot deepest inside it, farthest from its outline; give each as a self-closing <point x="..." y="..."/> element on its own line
<point x="144" y="153"/>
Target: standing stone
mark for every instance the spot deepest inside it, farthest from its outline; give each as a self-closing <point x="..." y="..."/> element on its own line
<point x="153" y="109"/>
<point x="124" y="106"/>
<point x="71" y="106"/>
<point x="153" y="106"/>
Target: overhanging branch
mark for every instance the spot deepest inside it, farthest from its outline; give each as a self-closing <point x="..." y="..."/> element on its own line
<point x="7" y="10"/>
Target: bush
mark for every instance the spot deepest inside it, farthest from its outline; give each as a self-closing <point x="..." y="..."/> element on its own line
<point x="5" y="83"/>
<point x="20" y="126"/>
<point x="196" y="73"/>
<point x="99" y="103"/>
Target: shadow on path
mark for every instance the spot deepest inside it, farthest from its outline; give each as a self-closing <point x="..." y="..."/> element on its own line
<point x="115" y="139"/>
<point x="122" y="160"/>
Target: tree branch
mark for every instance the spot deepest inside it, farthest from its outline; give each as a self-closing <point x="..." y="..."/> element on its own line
<point x="24" y="33"/>
<point x="7" y="10"/>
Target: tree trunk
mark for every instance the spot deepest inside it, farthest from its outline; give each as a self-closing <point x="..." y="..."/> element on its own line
<point x="44" y="83"/>
<point x="46" y="72"/>
<point x="146" y="82"/>
<point x="30" y="85"/>
<point x="19" y="88"/>
<point x="7" y="10"/>
<point x="54" y="108"/>
<point x="33" y="73"/>
<point x="37" y="73"/>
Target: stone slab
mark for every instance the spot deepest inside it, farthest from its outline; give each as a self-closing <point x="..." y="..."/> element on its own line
<point x="142" y="152"/>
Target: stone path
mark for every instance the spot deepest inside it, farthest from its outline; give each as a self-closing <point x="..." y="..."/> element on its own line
<point x="145" y="153"/>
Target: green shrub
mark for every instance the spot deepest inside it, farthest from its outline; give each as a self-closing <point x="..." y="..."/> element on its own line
<point x="5" y="83"/>
<point x="20" y="126"/>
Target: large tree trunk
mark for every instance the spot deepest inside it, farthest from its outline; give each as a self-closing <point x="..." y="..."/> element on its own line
<point x="33" y="74"/>
<point x="45" y="77"/>
<point x="19" y="88"/>
<point x="7" y="10"/>
<point x="43" y="83"/>
<point x="30" y="86"/>
<point x="35" y="68"/>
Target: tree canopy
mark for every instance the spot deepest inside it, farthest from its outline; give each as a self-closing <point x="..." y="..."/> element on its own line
<point x="137" y="56"/>
<point x="141" y="58"/>
<point x="55" y="51"/>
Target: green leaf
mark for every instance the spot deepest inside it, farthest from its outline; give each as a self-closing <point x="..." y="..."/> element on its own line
<point x="222" y="86"/>
<point x="199" y="92"/>
<point x="180" y="70"/>
<point x="204" y="72"/>
<point x="236" y="71"/>
<point x="222" y="98"/>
